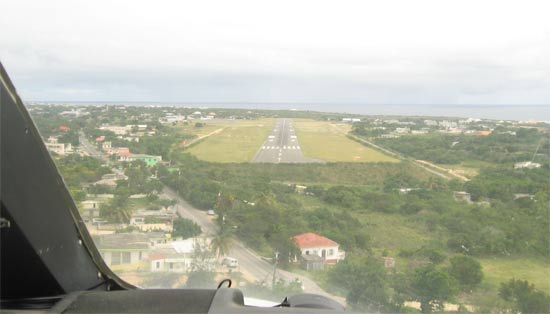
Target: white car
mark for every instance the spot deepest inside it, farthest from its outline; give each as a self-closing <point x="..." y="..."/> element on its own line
<point x="230" y="262"/>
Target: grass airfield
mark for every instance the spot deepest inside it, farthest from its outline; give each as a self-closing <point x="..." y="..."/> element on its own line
<point x="239" y="140"/>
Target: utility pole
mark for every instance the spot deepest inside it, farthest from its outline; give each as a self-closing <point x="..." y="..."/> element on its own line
<point x="274" y="269"/>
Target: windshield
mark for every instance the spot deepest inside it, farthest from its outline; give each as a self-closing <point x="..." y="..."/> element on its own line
<point x="394" y="157"/>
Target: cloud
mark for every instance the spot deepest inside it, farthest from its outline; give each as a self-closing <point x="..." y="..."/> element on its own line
<point x="284" y="51"/>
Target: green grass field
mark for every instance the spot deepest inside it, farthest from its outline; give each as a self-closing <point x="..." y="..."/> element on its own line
<point x="328" y="141"/>
<point x="238" y="142"/>
<point x="501" y="270"/>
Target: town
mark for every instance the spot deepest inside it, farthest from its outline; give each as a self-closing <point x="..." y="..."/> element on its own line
<point x="288" y="201"/>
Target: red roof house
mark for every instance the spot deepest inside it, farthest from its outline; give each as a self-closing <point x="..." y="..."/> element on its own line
<point x="313" y="244"/>
<point x="64" y="128"/>
<point x="310" y="239"/>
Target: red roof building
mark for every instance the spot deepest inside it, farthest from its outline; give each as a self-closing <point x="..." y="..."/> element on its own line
<point x="313" y="244"/>
<point x="310" y="240"/>
<point x="64" y="128"/>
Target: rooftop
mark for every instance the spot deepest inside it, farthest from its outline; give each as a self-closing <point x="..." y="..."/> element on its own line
<point x="125" y="241"/>
<point x="311" y="239"/>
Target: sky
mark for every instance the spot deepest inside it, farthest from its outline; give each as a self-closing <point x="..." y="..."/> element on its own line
<point x="349" y="52"/>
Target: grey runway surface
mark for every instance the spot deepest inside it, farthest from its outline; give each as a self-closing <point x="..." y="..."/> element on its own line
<point x="282" y="146"/>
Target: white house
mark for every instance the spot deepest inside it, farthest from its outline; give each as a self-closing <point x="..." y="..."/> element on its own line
<point x="181" y="256"/>
<point x="126" y="248"/>
<point x="314" y="244"/>
<point x="526" y="164"/>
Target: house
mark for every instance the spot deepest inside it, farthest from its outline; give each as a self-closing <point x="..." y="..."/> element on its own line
<point x="526" y="165"/>
<point x="300" y="189"/>
<point x="523" y="195"/>
<point x="64" y="128"/>
<point x="118" y="130"/>
<point x="314" y="244"/>
<point x="149" y="160"/>
<point x="114" y="176"/>
<point x="125" y="248"/>
<point x="149" y="220"/>
<point x="402" y="130"/>
<point x="108" y="182"/>
<point x="90" y="208"/>
<point x="403" y="191"/>
<point x="181" y="256"/>
<point x="462" y="196"/>
<point x="106" y="145"/>
<point x="121" y="153"/>
<point x="59" y="148"/>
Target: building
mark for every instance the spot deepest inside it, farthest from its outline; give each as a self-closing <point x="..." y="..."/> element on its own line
<point x="149" y="160"/>
<point x="526" y="165"/>
<point x="90" y="209"/>
<point x="518" y="196"/>
<point x="107" y="182"/>
<point x="114" y="176"/>
<point x="126" y="248"/>
<point x="118" y="130"/>
<point x="121" y="153"/>
<point x="106" y="145"/>
<point x="462" y="196"/>
<point x="314" y="244"/>
<point x="153" y="220"/>
<point x="180" y="256"/>
<point x="59" y="148"/>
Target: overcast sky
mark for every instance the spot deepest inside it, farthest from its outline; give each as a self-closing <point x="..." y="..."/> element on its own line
<point x="364" y="52"/>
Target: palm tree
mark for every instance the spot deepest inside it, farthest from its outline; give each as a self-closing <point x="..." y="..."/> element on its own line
<point x="222" y="242"/>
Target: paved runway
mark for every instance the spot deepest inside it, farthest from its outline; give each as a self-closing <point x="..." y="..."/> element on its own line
<point x="282" y="146"/>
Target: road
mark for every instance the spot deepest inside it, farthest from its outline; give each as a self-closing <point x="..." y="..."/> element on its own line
<point x="90" y="149"/>
<point x="251" y="265"/>
<point x="281" y="146"/>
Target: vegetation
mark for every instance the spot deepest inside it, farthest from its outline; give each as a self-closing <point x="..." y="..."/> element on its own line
<point x="498" y="147"/>
<point x="524" y="297"/>
<point x="185" y="228"/>
<point x="445" y="250"/>
<point x="237" y="142"/>
<point x="328" y="141"/>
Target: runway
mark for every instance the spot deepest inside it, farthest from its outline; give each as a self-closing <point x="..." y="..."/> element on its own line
<point x="282" y="146"/>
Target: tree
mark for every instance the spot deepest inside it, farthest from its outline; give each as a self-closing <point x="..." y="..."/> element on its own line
<point x="466" y="270"/>
<point x="365" y="280"/>
<point x="221" y="243"/>
<point x="432" y="287"/>
<point x="524" y="297"/>
<point x="185" y="228"/>
<point x="115" y="212"/>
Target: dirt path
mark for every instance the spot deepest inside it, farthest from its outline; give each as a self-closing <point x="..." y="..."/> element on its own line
<point x="442" y="172"/>
<point x="449" y="171"/>
<point x="202" y="137"/>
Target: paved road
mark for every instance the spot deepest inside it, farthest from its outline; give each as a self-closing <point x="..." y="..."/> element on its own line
<point x="89" y="148"/>
<point x="281" y="146"/>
